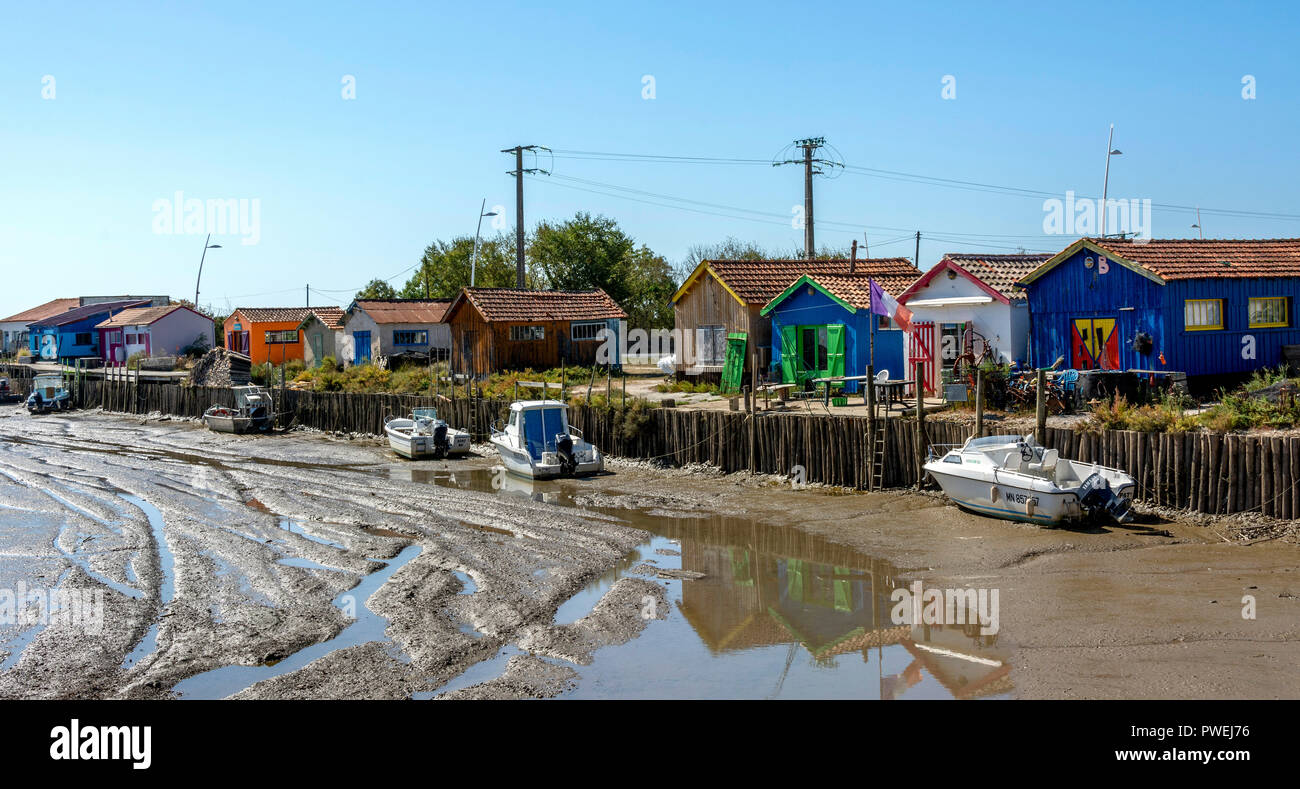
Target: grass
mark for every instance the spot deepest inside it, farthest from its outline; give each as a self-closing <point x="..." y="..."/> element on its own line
<point x="1244" y="408"/>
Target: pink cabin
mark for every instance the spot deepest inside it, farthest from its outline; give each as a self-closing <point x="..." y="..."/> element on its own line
<point x="153" y="331"/>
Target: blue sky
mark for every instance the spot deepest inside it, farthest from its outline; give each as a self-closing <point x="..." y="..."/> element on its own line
<point x="244" y="101"/>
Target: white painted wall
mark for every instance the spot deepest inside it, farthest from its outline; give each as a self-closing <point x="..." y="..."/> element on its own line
<point x="1006" y="327"/>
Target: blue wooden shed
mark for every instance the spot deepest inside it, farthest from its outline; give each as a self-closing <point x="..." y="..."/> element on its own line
<point x="72" y="334"/>
<point x="1202" y="307"/>
<point x="822" y="326"/>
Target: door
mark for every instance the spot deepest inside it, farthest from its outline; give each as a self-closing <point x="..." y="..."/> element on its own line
<point x="1094" y="344"/>
<point x="733" y="369"/>
<point x="361" y="347"/>
<point x="317" y="349"/>
<point x="789" y="354"/>
<point x="921" y="349"/>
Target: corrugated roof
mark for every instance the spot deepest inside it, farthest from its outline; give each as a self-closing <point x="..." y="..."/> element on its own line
<point x="1190" y="258"/>
<point x="90" y="310"/>
<point x="139" y="316"/>
<point x="47" y="310"/>
<point x="404" y="310"/>
<point x="999" y="272"/>
<point x="759" y="281"/>
<point x="510" y="304"/>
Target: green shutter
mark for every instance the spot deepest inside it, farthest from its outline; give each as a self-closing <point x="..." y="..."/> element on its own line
<point x="789" y="353"/>
<point x="835" y="349"/>
<point x="733" y="368"/>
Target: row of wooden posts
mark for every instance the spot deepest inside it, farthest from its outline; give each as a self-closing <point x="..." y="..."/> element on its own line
<point x="1205" y="472"/>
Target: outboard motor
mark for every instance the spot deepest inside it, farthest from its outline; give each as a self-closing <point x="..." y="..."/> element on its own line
<point x="440" y="445"/>
<point x="564" y="451"/>
<point x="1096" y="495"/>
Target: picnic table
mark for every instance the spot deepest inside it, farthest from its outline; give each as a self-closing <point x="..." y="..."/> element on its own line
<point x="892" y="392"/>
<point x="841" y="379"/>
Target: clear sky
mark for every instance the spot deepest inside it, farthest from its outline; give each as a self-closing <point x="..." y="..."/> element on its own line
<point x="244" y="101"/>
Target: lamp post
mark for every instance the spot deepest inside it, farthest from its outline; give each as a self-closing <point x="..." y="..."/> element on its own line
<point x="473" y="263"/>
<point x="1198" y="227"/>
<point x="1105" y="184"/>
<point x="206" y="247"/>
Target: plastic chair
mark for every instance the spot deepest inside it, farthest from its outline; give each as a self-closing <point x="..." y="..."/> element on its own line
<point x="1068" y="380"/>
<point x="882" y="376"/>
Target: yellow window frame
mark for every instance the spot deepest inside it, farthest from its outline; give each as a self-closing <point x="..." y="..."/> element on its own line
<point x="1188" y="302"/>
<point x="1286" y="312"/>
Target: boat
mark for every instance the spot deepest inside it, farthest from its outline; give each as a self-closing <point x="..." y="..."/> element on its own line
<point x="539" y="443"/>
<point x="253" y="412"/>
<point x="49" y="393"/>
<point x="1013" y="477"/>
<point x="424" y="435"/>
<point x="7" y="393"/>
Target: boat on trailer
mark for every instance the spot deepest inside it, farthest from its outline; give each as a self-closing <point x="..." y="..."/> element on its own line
<point x="253" y="412"/>
<point x="538" y="442"/>
<point x="424" y="435"/>
<point x="1014" y="477"/>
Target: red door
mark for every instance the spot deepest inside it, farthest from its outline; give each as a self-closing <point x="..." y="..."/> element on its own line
<point x="921" y="349"/>
<point x="1094" y="344"/>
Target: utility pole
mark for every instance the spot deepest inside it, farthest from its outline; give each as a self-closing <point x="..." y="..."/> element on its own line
<point x="309" y="297"/>
<point x="811" y="166"/>
<point x="916" y="261"/>
<point x="519" y="173"/>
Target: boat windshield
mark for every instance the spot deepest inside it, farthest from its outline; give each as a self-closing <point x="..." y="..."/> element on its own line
<point x="541" y="425"/>
<point x="986" y="442"/>
<point x="424" y="413"/>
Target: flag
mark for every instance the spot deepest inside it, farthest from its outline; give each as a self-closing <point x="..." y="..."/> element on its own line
<point x="884" y="304"/>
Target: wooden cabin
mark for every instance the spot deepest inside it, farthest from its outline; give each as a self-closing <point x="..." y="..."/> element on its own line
<point x="723" y="297"/>
<point x="496" y="329"/>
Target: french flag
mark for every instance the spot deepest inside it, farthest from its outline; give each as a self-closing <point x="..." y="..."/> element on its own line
<point x="884" y="304"/>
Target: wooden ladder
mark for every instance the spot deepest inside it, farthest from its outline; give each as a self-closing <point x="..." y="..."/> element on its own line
<point x="879" y="442"/>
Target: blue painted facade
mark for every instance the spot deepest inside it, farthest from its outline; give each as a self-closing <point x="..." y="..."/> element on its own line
<point x="1071" y="291"/>
<point x="802" y="308"/>
<point x="72" y="334"/>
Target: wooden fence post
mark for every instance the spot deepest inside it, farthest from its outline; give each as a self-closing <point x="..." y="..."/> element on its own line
<point x="979" y="402"/>
<point x="1040" y="418"/>
<point x="920" y="423"/>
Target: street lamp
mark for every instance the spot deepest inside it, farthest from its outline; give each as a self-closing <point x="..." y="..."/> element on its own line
<point x="206" y="247"/>
<point x="473" y="263"/>
<point x="1198" y="223"/>
<point x="1105" y="184"/>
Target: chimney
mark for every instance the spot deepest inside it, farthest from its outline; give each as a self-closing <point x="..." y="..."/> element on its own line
<point x="853" y="258"/>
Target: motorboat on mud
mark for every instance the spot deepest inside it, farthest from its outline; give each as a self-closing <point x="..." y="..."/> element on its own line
<point x="539" y="443"/>
<point x="49" y="393"/>
<point x="1013" y="477"/>
<point x="424" y="435"/>
<point x="253" y="412"/>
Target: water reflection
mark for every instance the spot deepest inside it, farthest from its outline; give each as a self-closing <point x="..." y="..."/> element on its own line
<point x="778" y="613"/>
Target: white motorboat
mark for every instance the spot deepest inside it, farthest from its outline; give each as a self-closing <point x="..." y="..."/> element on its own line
<point x="424" y="435"/>
<point x="538" y="442"/>
<point x="1015" y="478"/>
<point x="253" y="411"/>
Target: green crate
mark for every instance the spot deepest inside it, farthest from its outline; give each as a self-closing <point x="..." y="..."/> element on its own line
<point x="839" y="401"/>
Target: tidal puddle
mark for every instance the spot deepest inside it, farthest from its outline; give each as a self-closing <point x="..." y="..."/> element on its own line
<point x="368" y="626"/>
<point x="778" y="613"/>
<point x="167" y="586"/>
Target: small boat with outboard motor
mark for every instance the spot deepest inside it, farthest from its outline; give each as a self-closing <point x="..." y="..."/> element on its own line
<point x="424" y="435"/>
<point x="539" y="443"/>
<point x="253" y="412"/>
<point x="1014" y="477"/>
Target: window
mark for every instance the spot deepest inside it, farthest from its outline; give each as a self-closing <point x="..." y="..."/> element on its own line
<point x="1270" y="311"/>
<point x="83" y="338"/>
<point x="814" y="351"/>
<point x="411" y="337"/>
<point x="883" y="323"/>
<point x="526" y="333"/>
<point x="115" y="337"/>
<point x="581" y="332"/>
<point x="287" y="337"/>
<point x="711" y="344"/>
<point x="1203" y="314"/>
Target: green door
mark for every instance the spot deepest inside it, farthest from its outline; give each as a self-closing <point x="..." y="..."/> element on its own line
<point x="789" y="354"/>
<point x="733" y="367"/>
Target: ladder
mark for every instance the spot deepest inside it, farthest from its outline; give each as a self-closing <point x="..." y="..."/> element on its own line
<point x="879" y="441"/>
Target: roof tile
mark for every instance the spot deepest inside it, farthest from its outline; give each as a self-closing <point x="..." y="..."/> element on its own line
<point x="1191" y="258"/>
<point x="510" y="304"/>
<point x="999" y="272"/>
<point x="759" y="281"/>
<point x="46" y="310"/>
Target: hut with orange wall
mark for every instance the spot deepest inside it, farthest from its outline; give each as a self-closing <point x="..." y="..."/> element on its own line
<point x="266" y="334"/>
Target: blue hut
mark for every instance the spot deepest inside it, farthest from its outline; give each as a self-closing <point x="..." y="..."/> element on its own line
<point x="1202" y="307"/>
<point x="72" y="334"/>
<point x="822" y="326"/>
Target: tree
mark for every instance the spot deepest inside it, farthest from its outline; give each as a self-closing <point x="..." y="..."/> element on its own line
<point x="650" y="289"/>
<point x="731" y="249"/>
<point x="377" y="289"/>
<point x="583" y="253"/>
<point x="445" y="267"/>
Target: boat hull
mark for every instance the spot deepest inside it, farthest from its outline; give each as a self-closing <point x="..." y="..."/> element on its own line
<point x="238" y="425"/>
<point x="421" y="447"/>
<point x="1011" y="499"/>
<point x="521" y="463"/>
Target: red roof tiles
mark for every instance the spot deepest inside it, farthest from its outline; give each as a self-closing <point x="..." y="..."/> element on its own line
<point x="276" y="314"/>
<point x="1189" y="258"/>
<point x="999" y="272"/>
<point x="510" y="304"/>
<point x="759" y="281"/>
